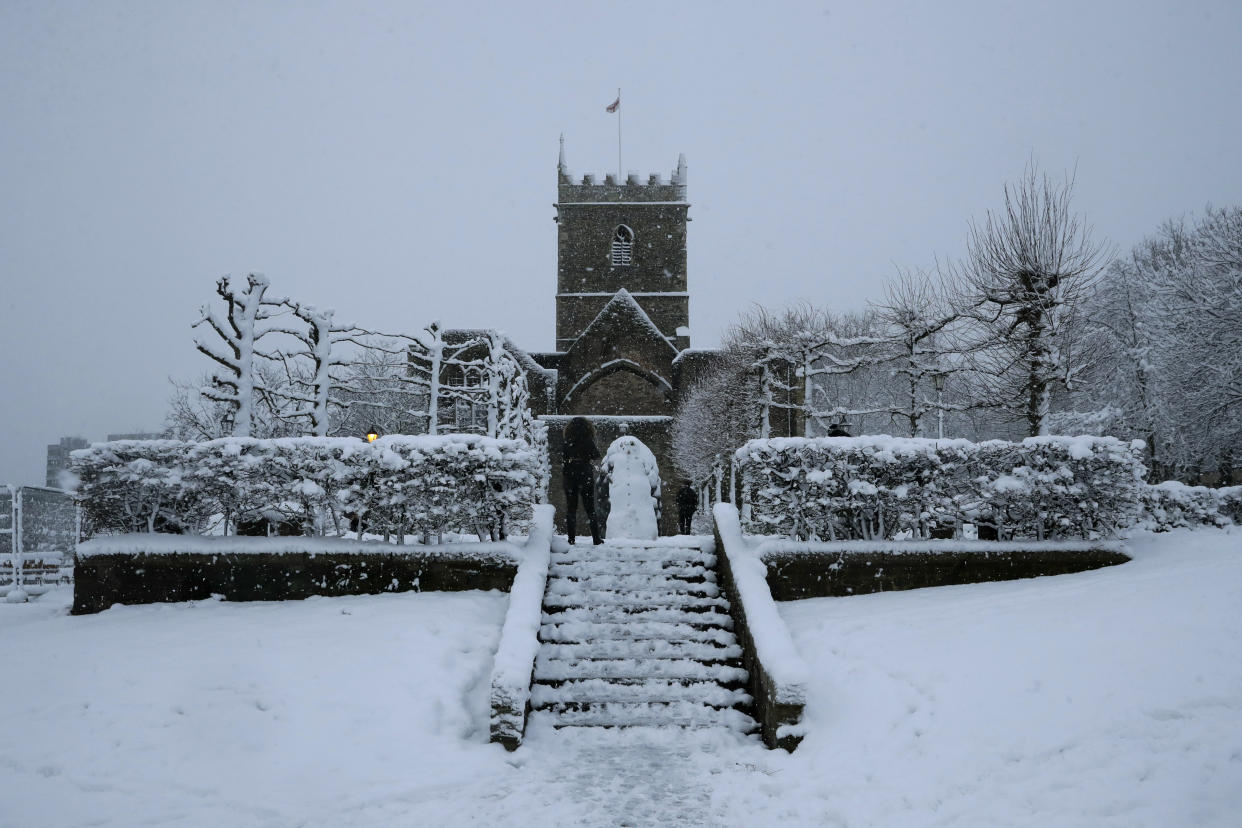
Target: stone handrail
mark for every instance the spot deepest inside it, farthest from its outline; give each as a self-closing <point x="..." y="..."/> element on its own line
<point x="519" y="638"/>
<point x="778" y="675"/>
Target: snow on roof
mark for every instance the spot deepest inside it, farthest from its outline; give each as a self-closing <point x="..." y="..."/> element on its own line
<point x="693" y="352"/>
<point x="624" y="301"/>
<point x="635" y="293"/>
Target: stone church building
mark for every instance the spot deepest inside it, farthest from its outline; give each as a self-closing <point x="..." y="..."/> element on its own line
<point x="622" y="356"/>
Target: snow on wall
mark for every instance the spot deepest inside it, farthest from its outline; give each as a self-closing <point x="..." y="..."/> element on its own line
<point x="519" y="638"/>
<point x="773" y="646"/>
<point x="633" y="490"/>
<point x="146" y="543"/>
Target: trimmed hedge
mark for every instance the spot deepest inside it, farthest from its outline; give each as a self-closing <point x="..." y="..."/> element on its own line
<point x="402" y="484"/>
<point x="152" y="568"/>
<point x="876" y="487"/>
<point x="1173" y="505"/>
<point x="819" y="570"/>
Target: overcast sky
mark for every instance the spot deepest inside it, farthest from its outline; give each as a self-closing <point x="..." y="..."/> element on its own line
<point x="396" y="161"/>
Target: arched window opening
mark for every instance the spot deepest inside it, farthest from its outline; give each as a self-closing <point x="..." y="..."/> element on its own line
<point x="622" y="246"/>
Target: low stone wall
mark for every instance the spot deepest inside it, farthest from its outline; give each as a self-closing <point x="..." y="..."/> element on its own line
<point x="777" y="675"/>
<point x="514" y="666"/>
<point x="817" y="570"/>
<point x="151" y="568"/>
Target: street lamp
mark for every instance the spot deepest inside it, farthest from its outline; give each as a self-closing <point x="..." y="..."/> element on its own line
<point x="372" y="434"/>
<point x="227" y="421"/>
<point x="938" y="379"/>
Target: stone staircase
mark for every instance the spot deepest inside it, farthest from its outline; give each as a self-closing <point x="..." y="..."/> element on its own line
<point x="636" y="634"/>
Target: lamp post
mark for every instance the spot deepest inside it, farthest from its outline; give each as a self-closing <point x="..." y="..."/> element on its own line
<point x="372" y="434"/>
<point x="938" y="379"/>
<point x="227" y="421"/>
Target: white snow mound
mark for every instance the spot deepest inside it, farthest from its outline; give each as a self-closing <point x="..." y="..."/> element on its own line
<point x="633" y="490"/>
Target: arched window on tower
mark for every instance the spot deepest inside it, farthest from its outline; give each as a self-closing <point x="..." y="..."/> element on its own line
<point x="622" y="246"/>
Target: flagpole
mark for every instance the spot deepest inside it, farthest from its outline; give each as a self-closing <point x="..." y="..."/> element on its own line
<point x="620" y="179"/>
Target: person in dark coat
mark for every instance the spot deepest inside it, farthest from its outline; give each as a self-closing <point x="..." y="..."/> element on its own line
<point x="687" y="505"/>
<point x="579" y="455"/>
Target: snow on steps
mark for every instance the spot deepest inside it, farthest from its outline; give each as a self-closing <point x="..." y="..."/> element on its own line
<point x="647" y="714"/>
<point x="554" y="668"/>
<point x="638" y="599"/>
<point x="619" y="615"/>
<point x="584" y="570"/>
<point x="570" y="633"/>
<point x="562" y="585"/>
<point x="661" y="555"/>
<point x="642" y="648"/>
<point x="590" y="691"/>
<point x="637" y="635"/>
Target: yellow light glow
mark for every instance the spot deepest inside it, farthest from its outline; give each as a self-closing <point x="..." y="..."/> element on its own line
<point x="372" y="436"/>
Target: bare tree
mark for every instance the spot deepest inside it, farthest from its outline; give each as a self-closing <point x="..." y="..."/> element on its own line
<point x="1029" y="269"/>
<point x="915" y="317"/>
<point x="1199" y="313"/>
<point x="236" y="378"/>
<point x="718" y="414"/>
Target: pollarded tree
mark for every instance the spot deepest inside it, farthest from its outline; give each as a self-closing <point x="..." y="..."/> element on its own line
<point x="915" y="319"/>
<point x="1028" y="271"/>
<point x="236" y="377"/>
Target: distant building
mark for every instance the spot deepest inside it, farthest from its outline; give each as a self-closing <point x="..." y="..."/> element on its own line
<point x="58" y="458"/>
<point x="58" y="453"/>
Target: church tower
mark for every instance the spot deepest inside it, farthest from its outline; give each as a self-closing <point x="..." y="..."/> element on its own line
<point x="627" y="235"/>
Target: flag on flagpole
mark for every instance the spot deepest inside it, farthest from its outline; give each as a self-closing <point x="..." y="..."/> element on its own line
<point x="614" y="106"/>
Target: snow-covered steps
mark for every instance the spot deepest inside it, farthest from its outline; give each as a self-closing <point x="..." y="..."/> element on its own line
<point x="643" y="668"/>
<point x="642" y="648"/>
<point x="620" y="615"/>
<point x="560" y="585"/>
<point x="635" y="599"/>
<point x="672" y="569"/>
<point x="638" y="635"/>
<point x="662" y="555"/>
<point x="594" y="691"/>
<point x="674" y="714"/>
<point x="585" y="631"/>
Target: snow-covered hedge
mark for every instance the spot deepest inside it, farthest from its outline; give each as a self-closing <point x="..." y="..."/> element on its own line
<point x="399" y="484"/>
<point x="1172" y="505"/>
<point x="833" y="488"/>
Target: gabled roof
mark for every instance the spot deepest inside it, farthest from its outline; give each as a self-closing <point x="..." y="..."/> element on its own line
<point x="621" y="309"/>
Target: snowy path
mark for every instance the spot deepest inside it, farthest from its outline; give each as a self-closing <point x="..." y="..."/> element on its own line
<point x="1104" y="698"/>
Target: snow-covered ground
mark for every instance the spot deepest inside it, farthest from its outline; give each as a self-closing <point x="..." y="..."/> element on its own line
<point x="1111" y="697"/>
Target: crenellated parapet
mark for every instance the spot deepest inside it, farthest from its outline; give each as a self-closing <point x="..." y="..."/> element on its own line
<point x="590" y="190"/>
